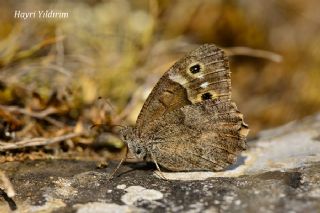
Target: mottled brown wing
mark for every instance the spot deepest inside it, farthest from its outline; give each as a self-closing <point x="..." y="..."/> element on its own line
<point x="202" y="74"/>
<point x="205" y="136"/>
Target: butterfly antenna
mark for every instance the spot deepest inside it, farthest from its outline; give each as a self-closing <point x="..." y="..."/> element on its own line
<point x="100" y="99"/>
<point x="115" y="125"/>
<point x="99" y="125"/>
<point x="119" y="164"/>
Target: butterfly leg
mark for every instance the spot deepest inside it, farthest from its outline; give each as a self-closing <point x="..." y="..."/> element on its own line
<point x="118" y="166"/>
<point x="160" y="172"/>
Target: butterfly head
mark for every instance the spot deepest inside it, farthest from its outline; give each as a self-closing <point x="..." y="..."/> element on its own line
<point x="133" y="142"/>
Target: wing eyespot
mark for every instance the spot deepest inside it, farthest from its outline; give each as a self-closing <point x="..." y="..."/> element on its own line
<point x="206" y="96"/>
<point x="195" y="68"/>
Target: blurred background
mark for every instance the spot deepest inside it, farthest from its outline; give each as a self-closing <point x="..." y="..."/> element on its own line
<point x="94" y="69"/>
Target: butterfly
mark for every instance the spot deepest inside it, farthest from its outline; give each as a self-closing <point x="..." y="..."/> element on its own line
<point x="189" y="122"/>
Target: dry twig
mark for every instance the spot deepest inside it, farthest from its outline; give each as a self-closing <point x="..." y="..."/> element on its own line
<point x="37" y="141"/>
<point x="254" y="53"/>
<point x="6" y="184"/>
<point x="39" y="115"/>
<point x="134" y="101"/>
<point x="7" y="191"/>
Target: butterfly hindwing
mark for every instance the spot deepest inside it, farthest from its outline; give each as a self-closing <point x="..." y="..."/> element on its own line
<point x="205" y="136"/>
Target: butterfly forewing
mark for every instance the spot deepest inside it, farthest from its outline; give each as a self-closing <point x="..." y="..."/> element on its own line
<point x="201" y="75"/>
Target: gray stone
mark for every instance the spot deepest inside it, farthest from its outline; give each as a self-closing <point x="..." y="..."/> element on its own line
<point x="280" y="172"/>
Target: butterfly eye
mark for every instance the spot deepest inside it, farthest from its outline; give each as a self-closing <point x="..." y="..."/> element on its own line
<point x="206" y="96"/>
<point x="195" y="68"/>
<point x="138" y="151"/>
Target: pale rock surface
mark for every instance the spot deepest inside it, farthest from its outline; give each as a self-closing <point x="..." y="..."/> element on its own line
<point x="280" y="172"/>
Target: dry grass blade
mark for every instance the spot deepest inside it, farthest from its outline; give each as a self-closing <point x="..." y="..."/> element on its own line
<point x="7" y="191"/>
<point x="6" y="184"/>
<point x="44" y="114"/>
<point x="41" y="115"/>
<point x="254" y="53"/>
<point x="38" y="141"/>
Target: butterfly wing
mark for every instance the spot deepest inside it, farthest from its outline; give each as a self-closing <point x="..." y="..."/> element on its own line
<point x="188" y="121"/>
<point x="202" y="74"/>
<point x="205" y="136"/>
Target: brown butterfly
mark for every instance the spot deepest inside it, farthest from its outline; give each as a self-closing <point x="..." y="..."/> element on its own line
<point x="189" y="122"/>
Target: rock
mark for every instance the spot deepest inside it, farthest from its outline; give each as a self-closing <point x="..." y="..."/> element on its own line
<point x="280" y="172"/>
